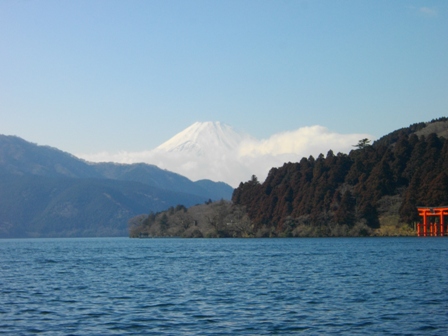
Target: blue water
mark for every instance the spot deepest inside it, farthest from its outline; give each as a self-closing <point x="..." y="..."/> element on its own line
<point x="381" y="286"/>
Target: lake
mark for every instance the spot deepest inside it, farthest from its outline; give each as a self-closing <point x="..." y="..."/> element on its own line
<point x="105" y="286"/>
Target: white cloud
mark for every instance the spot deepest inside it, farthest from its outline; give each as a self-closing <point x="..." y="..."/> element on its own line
<point x="429" y="12"/>
<point x="292" y="146"/>
<point x="250" y="157"/>
<point x="119" y="157"/>
<point x="303" y="141"/>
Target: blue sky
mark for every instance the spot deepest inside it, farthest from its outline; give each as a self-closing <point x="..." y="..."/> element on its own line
<point x="91" y="76"/>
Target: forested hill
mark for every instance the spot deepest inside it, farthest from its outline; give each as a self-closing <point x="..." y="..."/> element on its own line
<point x="340" y="194"/>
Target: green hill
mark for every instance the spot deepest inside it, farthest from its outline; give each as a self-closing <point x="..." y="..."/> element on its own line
<point x="356" y="194"/>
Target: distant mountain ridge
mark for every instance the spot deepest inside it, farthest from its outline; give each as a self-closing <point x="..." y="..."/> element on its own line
<point x="36" y="206"/>
<point x="116" y="191"/>
<point x="18" y="156"/>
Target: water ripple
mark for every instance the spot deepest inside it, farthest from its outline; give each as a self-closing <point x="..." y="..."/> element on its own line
<point x="223" y="286"/>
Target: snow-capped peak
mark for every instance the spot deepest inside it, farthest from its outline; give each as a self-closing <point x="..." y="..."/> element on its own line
<point x="203" y="137"/>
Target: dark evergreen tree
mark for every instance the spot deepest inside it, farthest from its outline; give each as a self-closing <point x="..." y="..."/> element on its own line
<point x="346" y="211"/>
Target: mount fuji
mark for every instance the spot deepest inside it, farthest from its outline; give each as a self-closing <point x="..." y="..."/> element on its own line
<point x="205" y="150"/>
<point x="217" y="152"/>
<point x="203" y="139"/>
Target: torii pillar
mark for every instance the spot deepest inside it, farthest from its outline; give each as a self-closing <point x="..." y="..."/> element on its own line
<point x="434" y="229"/>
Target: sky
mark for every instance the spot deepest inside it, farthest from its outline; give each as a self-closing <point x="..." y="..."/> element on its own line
<point x="109" y="76"/>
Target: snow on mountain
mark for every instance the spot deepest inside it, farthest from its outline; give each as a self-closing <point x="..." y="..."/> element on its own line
<point x="201" y="138"/>
<point x="205" y="150"/>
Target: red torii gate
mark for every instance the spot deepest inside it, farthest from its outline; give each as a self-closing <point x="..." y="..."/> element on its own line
<point x="435" y="227"/>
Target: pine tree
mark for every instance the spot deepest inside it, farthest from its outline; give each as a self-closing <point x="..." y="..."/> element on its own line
<point x="346" y="211"/>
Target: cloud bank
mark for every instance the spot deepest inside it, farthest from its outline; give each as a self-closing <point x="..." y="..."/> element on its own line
<point x="249" y="157"/>
<point x="428" y="12"/>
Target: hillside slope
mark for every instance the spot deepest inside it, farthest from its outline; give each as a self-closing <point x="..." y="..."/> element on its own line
<point x="356" y="193"/>
<point x="34" y="206"/>
<point x="47" y="192"/>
